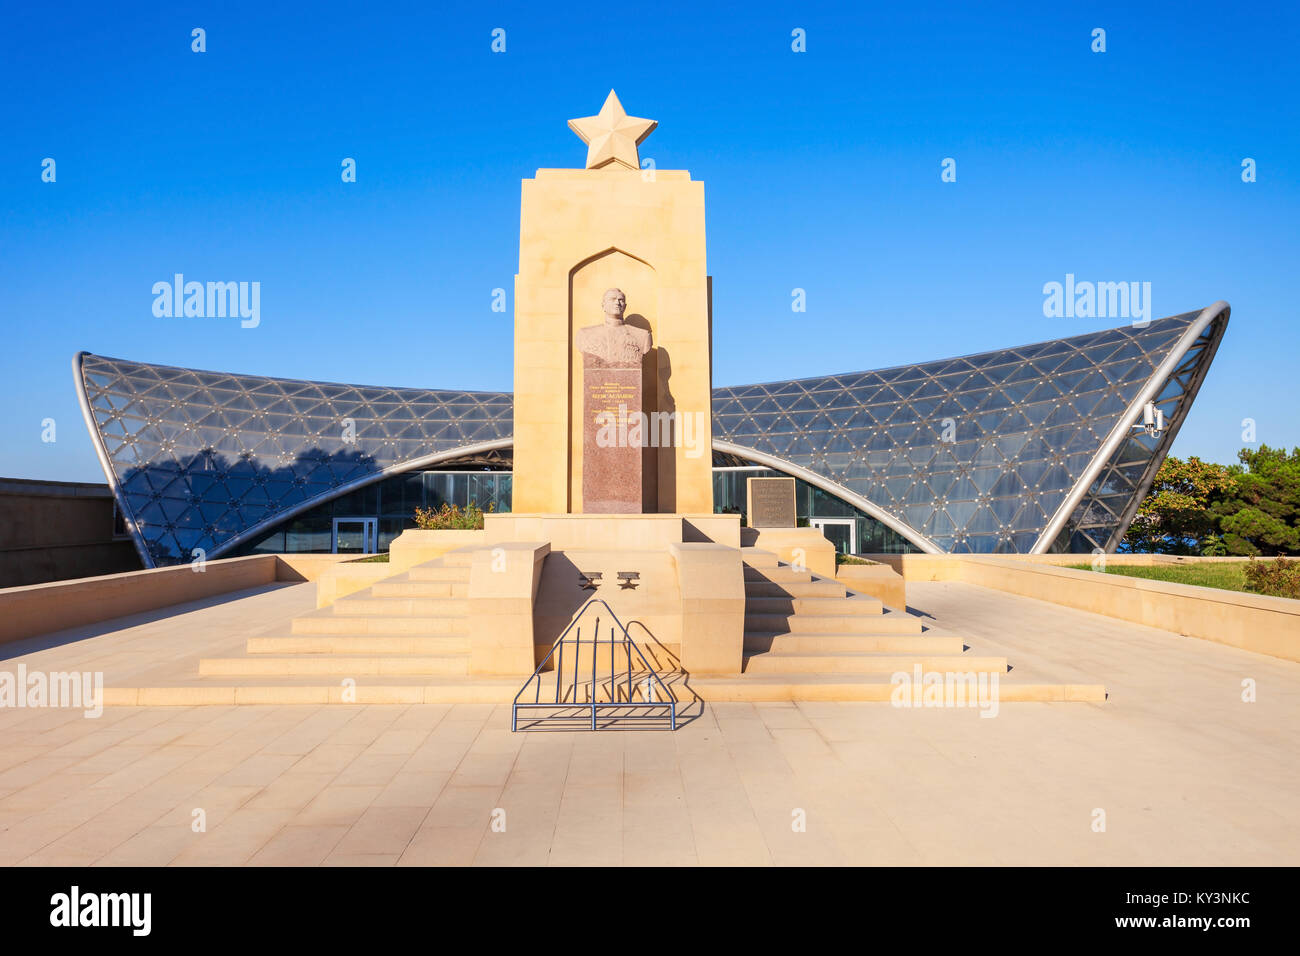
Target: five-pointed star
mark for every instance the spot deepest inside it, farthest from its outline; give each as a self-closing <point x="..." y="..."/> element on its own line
<point x="612" y="136"/>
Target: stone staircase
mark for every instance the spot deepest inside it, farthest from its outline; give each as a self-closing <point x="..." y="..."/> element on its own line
<point x="407" y="628"/>
<point x="796" y="623"/>
<point x="406" y="639"/>
<point x="809" y="638"/>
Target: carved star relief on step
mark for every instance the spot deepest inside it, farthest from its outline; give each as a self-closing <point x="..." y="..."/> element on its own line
<point x="612" y="136"/>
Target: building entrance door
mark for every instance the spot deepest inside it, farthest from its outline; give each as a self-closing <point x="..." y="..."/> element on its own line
<point x="841" y="532"/>
<point x="355" y="536"/>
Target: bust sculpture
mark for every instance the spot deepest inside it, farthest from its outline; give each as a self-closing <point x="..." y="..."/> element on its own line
<point x="614" y="344"/>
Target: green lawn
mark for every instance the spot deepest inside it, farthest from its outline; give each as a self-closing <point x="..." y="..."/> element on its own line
<point x="1225" y="575"/>
<point x="373" y="559"/>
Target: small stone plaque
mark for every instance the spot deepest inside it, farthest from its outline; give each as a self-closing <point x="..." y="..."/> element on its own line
<point x="770" y="503"/>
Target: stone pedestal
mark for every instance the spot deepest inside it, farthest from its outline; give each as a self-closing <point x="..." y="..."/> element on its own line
<point x="711" y="579"/>
<point x="503" y="583"/>
<point x="613" y="459"/>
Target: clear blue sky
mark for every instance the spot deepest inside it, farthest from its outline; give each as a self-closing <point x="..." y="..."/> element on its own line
<point x="821" y="171"/>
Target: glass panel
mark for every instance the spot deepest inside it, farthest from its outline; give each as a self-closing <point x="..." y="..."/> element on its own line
<point x="840" y="535"/>
<point x="351" y="537"/>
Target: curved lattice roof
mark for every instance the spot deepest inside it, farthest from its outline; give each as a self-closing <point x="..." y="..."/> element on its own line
<point x="1019" y="449"/>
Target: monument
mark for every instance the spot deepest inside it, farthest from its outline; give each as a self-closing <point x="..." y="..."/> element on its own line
<point x="617" y="454"/>
<point x="585" y="234"/>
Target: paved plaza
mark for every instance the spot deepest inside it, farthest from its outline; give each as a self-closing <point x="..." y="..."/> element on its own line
<point x="1184" y="770"/>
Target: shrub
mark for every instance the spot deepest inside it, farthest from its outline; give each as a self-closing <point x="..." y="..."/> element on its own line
<point x="1262" y="515"/>
<point x="1280" y="578"/>
<point x="450" y="518"/>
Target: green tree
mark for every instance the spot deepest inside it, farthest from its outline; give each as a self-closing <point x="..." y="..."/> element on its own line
<point x="1262" y="513"/>
<point x="1178" y="515"/>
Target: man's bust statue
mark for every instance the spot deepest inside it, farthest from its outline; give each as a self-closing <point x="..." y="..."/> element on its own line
<point x="613" y="344"/>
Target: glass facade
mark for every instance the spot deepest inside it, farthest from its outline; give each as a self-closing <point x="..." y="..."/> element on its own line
<point x="1028" y="448"/>
<point x="392" y="501"/>
<point x="207" y="460"/>
<point x="811" y="503"/>
<point x="980" y="453"/>
<point x="1104" y="514"/>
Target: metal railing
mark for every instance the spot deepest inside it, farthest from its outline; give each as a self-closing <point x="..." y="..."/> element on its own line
<point x="621" y="680"/>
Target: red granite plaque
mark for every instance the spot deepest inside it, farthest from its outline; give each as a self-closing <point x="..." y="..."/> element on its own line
<point x="612" y="439"/>
<point x="614" y="442"/>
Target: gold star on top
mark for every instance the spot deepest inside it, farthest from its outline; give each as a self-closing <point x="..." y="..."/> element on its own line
<point x="612" y="136"/>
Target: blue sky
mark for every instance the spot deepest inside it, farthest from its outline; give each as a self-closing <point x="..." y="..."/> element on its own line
<point x="821" y="171"/>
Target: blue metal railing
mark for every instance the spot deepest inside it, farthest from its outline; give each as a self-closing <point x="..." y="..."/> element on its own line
<point x="566" y="693"/>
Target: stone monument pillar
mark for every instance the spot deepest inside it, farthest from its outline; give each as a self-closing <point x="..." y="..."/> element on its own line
<point x="611" y="226"/>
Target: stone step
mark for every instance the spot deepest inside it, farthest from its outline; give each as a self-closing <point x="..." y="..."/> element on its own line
<point x="475" y="690"/>
<point x="606" y="692"/>
<point x="762" y="587"/>
<point x="855" y="606"/>
<point x="866" y="687"/>
<point x="779" y="575"/>
<point x="317" y="622"/>
<point x="783" y="642"/>
<point x="395" y="689"/>
<point x="435" y="571"/>
<point x="840" y="663"/>
<point x="758" y="558"/>
<point x="401" y="606"/>
<point x="458" y="559"/>
<point x="408" y="644"/>
<point x="420" y="587"/>
<point x="890" y="622"/>
<point x="305" y="665"/>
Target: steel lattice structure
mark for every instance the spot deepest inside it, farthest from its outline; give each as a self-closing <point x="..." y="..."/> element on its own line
<point x="1027" y="449"/>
